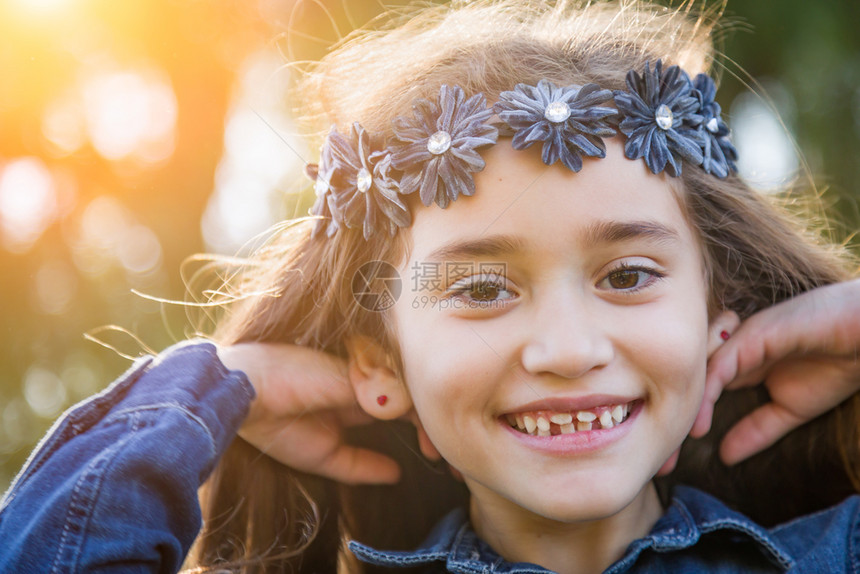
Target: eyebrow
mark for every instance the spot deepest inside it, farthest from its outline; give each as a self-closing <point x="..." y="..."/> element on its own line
<point x="601" y="232"/>
<point x="491" y="246"/>
<point x="618" y="231"/>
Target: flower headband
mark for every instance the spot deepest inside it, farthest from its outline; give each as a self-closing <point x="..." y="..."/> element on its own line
<point x="665" y="116"/>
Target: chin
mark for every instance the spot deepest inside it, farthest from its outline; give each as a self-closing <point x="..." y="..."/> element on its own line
<point x="597" y="502"/>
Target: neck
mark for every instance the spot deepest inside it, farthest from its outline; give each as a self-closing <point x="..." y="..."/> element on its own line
<point x="582" y="547"/>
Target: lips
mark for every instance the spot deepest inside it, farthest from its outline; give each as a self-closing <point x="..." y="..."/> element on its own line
<point x="559" y="420"/>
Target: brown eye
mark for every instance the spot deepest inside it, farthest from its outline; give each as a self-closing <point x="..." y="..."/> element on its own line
<point x="485" y="292"/>
<point x="480" y="290"/>
<point x="624" y="279"/>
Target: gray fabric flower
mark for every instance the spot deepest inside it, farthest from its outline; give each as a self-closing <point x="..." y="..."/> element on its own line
<point x="322" y="185"/>
<point x="435" y="149"/>
<point x="568" y="120"/>
<point x="719" y="153"/>
<point x="356" y="185"/>
<point x="661" y="120"/>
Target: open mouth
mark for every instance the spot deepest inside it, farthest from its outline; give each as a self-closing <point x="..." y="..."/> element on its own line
<point x="552" y="423"/>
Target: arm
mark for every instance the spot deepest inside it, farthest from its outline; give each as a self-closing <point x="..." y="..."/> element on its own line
<point x="113" y="486"/>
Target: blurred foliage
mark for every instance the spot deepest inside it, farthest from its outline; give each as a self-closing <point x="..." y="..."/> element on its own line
<point x="87" y="214"/>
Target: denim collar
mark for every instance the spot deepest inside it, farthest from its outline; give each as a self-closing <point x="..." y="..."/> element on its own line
<point x="691" y="514"/>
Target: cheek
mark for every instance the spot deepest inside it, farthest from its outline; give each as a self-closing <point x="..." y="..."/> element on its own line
<point x="668" y="342"/>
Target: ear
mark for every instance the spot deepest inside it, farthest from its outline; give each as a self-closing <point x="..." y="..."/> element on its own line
<point x="720" y="329"/>
<point x="379" y="392"/>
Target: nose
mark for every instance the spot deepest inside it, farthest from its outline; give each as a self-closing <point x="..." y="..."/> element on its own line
<point x="568" y="336"/>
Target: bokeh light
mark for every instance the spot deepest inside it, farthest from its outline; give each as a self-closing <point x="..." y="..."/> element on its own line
<point x="768" y="159"/>
<point x="130" y="113"/>
<point x="56" y="285"/>
<point x="44" y="391"/>
<point x="260" y="151"/>
<point x="63" y="123"/>
<point x="28" y="202"/>
<point x="108" y="235"/>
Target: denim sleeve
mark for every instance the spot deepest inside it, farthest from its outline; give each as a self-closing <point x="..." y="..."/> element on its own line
<point x="113" y="485"/>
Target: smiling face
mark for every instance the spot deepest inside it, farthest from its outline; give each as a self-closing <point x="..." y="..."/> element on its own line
<point x="600" y="310"/>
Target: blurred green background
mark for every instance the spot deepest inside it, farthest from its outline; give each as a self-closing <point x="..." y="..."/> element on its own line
<point x="136" y="133"/>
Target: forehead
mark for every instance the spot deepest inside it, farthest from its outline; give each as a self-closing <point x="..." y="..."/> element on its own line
<point x="551" y="206"/>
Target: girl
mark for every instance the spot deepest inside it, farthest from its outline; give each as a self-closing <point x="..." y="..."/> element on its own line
<point x="590" y="249"/>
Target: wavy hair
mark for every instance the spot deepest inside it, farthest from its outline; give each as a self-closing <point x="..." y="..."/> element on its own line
<point x="263" y="517"/>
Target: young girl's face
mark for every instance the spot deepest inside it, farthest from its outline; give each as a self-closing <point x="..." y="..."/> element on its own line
<point x="549" y="296"/>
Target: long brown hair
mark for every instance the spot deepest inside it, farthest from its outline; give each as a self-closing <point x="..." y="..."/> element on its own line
<point x="261" y="516"/>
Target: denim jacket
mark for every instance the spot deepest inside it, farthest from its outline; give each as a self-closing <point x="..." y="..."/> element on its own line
<point x="113" y="485"/>
<point x="113" y="488"/>
<point x="697" y="533"/>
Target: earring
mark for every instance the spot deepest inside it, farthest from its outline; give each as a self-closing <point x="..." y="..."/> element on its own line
<point x="381" y="400"/>
<point x="724" y="335"/>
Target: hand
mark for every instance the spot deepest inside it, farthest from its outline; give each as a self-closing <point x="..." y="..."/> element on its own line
<point x="304" y="400"/>
<point x="805" y="350"/>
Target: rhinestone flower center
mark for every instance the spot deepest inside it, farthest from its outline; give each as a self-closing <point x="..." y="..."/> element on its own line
<point x="557" y="112"/>
<point x="713" y="125"/>
<point x="663" y="117"/>
<point x="363" y="180"/>
<point x="320" y="186"/>
<point x="439" y="142"/>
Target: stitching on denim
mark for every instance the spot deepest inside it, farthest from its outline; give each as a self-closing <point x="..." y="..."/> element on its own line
<point x="356" y="547"/>
<point x="790" y="523"/>
<point x="854" y="542"/>
<point x="171" y="405"/>
<point x="55" y="437"/>
<point x="785" y="560"/>
<point x="461" y="565"/>
<point x="209" y="348"/>
<point x="661" y="541"/>
<point x="100" y="464"/>
<point x="387" y="557"/>
<point x="246" y="385"/>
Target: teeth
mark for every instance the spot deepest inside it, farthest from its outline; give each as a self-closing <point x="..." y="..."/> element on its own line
<point x="561" y="418"/>
<point x="585" y="416"/>
<point x="543" y="424"/>
<point x="539" y="423"/>
<point x="530" y="423"/>
<point x="606" y="420"/>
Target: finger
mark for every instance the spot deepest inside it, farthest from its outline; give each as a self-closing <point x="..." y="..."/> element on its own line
<point x="721" y="329"/>
<point x="455" y="473"/>
<point x="428" y="449"/>
<point x="757" y="431"/>
<point x="351" y="465"/>
<point x="353" y="417"/>
<point x="818" y="320"/>
<point x="703" y="421"/>
<point x="743" y="361"/>
<point x="669" y="465"/>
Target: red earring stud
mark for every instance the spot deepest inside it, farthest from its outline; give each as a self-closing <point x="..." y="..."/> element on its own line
<point x="381" y="400"/>
<point x="724" y="335"/>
